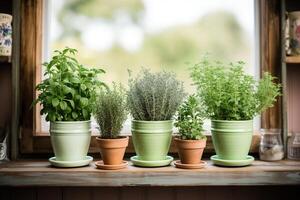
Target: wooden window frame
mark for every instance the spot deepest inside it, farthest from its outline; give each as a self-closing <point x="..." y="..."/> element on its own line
<point x="30" y="69"/>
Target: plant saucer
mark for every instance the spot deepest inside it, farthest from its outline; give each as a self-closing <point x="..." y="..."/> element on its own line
<point x="101" y="165"/>
<point x="153" y="163"/>
<point x="232" y="163"/>
<point x="78" y="163"/>
<point x="200" y="165"/>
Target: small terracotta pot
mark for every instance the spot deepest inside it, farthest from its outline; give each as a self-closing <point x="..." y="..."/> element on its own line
<point x="112" y="150"/>
<point x="190" y="151"/>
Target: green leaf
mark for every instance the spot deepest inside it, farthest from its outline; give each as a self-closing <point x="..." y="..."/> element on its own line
<point x="74" y="115"/>
<point x="83" y="87"/>
<point x="85" y="113"/>
<point x="84" y="101"/>
<point x="72" y="103"/>
<point x="63" y="105"/>
<point x="55" y="102"/>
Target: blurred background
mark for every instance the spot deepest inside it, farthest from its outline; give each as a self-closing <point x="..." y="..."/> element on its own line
<point x="170" y="35"/>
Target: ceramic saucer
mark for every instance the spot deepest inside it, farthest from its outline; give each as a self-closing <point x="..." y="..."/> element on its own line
<point x="78" y="163"/>
<point x="232" y="163"/>
<point x="153" y="163"/>
<point x="100" y="165"/>
<point x="200" y="165"/>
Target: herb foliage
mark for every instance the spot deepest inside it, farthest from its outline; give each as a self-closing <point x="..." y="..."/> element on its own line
<point x="154" y="96"/>
<point x="228" y="93"/>
<point x="190" y="118"/>
<point x="111" y="111"/>
<point x="69" y="91"/>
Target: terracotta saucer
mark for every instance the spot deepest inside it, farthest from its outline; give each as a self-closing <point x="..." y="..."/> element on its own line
<point x="100" y="165"/>
<point x="200" y="165"/>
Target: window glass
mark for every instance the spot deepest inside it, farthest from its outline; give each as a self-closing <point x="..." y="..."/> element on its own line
<point x="161" y="35"/>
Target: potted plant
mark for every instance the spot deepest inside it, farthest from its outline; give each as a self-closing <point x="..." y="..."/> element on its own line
<point x="153" y="99"/>
<point x="232" y="99"/>
<point x="110" y="114"/>
<point x="67" y="95"/>
<point x="191" y="141"/>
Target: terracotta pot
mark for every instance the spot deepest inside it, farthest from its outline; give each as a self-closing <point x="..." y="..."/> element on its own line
<point x="190" y="151"/>
<point x="112" y="150"/>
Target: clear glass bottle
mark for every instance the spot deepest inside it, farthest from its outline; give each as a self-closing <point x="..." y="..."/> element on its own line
<point x="271" y="146"/>
<point x="294" y="146"/>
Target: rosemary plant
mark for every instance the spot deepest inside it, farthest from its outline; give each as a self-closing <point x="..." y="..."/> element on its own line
<point x="111" y="111"/>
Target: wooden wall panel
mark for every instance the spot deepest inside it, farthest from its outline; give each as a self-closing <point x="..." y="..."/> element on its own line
<point x="52" y="193"/>
<point x="293" y="96"/>
<point x="152" y="193"/>
<point x="132" y="193"/>
<point x="105" y="193"/>
<point x="24" y="194"/>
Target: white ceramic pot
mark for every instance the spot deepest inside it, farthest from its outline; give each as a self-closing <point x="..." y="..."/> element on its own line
<point x="294" y="32"/>
<point x="5" y="34"/>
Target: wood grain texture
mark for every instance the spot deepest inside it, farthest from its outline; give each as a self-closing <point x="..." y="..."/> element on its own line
<point x="75" y="194"/>
<point x="30" y="59"/>
<point x="270" y="54"/>
<point x="293" y="59"/>
<point x="24" y="194"/>
<point x="105" y="193"/>
<point x="34" y="173"/>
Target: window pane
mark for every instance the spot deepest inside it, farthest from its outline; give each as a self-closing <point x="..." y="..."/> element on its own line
<point x="161" y="35"/>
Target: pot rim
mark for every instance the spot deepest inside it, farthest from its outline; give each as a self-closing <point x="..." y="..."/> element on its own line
<point x="232" y="121"/>
<point x="178" y="139"/>
<point x="114" y="139"/>
<point x="143" y="121"/>
<point x="71" y="122"/>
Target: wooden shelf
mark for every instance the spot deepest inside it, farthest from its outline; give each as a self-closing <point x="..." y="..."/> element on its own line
<point x="5" y="59"/>
<point x="292" y="59"/>
<point x="40" y="173"/>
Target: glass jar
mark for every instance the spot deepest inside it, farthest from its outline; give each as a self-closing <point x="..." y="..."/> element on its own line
<point x="294" y="146"/>
<point x="271" y="146"/>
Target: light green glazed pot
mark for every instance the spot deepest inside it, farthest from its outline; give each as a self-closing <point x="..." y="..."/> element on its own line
<point x="70" y="140"/>
<point x="152" y="139"/>
<point x="232" y="139"/>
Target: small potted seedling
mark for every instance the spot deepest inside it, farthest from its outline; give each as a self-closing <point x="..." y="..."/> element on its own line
<point x="232" y="98"/>
<point x="190" y="141"/>
<point x="67" y="95"/>
<point x="110" y="114"/>
<point x="153" y="99"/>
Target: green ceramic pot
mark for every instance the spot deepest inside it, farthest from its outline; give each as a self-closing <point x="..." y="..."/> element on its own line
<point x="152" y="139"/>
<point x="70" y="140"/>
<point x="232" y="139"/>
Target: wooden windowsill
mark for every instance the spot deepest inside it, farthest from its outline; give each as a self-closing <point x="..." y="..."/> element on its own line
<point x="40" y="173"/>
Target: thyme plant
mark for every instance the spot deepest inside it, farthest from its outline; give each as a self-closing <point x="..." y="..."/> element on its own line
<point x="111" y="111"/>
<point x="189" y="119"/>
<point x="154" y="96"/>
<point x="228" y="93"/>
<point x="69" y="91"/>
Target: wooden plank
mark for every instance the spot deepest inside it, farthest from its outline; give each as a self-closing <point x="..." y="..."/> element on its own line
<point x="105" y="193"/>
<point x="30" y="59"/>
<point x="49" y="193"/>
<point x="24" y="194"/>
<point x="194" y="193"/>
<point x="161" y="193"/>
<point x="132" y="193"/>
<point x="41" y="174"/>
<point x="293" y="59"/>
<point x="269" y="12"/>
<point x="77" y="194"/>
<point x="5" y="193"/>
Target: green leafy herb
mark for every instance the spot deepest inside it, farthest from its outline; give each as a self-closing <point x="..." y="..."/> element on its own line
<point x="154" y="96"/>
<point x="111" y="111"/>
<point x="69" y="91"/>
<point x="230" y="94"/>
<point x="190" y="119"/>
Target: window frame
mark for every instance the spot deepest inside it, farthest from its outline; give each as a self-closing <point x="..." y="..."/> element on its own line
<point x="31" y="33"/>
